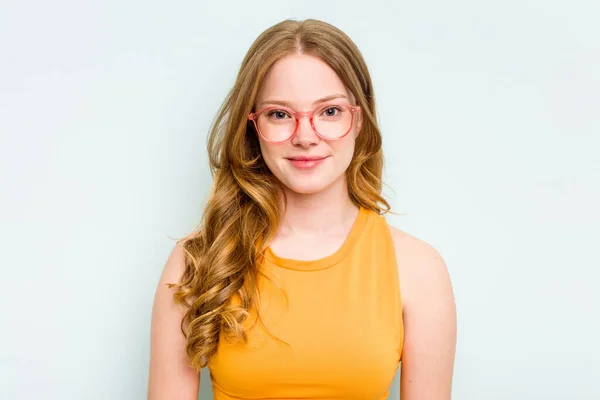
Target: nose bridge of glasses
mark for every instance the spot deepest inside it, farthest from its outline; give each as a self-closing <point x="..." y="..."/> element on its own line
<point x="308" y="123"/>
<point x="300" y="114"/>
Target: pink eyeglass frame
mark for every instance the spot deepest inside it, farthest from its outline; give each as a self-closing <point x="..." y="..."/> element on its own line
<point x="296" y="114"/>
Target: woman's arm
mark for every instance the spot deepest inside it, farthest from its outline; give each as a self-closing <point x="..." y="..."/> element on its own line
<point x="429" y="315"/>
<point x="170" y="376"/>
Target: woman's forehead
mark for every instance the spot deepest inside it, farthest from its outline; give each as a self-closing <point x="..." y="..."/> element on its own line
<point x="301" y="80"/>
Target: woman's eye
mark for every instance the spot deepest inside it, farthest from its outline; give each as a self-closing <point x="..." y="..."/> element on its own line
<point x="331" y="111"/>
<point x="278" y="114"/>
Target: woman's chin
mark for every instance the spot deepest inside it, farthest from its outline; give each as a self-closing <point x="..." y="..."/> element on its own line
<point x="307" y="187"/>
<point x="310" y="183"/>
<point x="303" y="189"/>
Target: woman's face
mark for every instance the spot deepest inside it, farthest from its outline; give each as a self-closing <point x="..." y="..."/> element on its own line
<point x="301" y="80"/>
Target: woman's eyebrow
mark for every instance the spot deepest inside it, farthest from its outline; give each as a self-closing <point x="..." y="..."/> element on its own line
<point x="289" y="104"/>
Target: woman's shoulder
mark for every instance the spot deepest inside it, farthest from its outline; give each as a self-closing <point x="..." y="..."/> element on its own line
<point x="408" y="245"/>
<point x="421" y="268"/>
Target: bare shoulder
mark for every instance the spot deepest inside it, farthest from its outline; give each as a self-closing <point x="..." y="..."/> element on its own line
<point x="411" y="248"/>
<point x="429" y="319"/>
<point x="422" y="269"/>
<point x="170" y="375"/>
<point x="175" y="264"/>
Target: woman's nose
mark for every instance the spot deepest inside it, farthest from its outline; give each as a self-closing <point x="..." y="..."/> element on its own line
<point x="305" y="135"/>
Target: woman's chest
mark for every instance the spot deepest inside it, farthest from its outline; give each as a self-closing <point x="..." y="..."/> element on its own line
<point x="315" y="338"/>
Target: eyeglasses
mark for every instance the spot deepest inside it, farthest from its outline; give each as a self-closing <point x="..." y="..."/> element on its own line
<point x="277" y="124"/>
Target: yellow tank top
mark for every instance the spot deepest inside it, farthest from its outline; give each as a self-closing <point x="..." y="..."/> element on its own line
<point x="331" y="328"/>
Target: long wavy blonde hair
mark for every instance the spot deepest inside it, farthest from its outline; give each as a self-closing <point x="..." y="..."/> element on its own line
<point x="224" y="253"/>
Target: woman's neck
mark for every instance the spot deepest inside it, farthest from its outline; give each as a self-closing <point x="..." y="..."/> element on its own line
<point x="321" y="213"/>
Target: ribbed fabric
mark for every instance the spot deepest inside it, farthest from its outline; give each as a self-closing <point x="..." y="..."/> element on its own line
<point x="331" y="328"/>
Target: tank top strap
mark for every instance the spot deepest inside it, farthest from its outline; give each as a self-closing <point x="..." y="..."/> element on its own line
<point x="377" y="249"/>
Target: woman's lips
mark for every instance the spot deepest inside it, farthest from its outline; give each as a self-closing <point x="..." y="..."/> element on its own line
<point x="306" y="162"/>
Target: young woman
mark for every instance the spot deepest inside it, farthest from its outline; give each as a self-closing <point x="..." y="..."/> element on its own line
<point x="294" y="286"/>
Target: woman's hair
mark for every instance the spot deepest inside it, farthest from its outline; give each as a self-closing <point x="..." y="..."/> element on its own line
<point x="225" y="251"/>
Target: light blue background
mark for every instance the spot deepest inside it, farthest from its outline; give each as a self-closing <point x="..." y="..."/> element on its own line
<point x="491" y="125"/>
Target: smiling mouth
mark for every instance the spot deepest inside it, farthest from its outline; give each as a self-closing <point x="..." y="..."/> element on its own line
<point x="306" y="162"/>
<point x="306" y="158"/>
